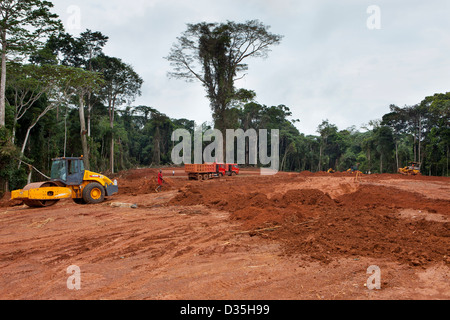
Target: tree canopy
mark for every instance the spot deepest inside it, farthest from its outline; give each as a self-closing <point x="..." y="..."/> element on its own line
<point x="66" y="97"/>
<point x="23" y="25"/>
<point x="215" y="54"/>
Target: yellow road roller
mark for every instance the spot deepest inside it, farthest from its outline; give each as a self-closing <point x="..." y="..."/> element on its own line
<point x="68" y="179"/>
<point x="412" y="170"/>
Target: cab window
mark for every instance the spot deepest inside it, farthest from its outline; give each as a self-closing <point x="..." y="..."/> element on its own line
<point x="76" y="166"/>
<point x="59" y="170"/>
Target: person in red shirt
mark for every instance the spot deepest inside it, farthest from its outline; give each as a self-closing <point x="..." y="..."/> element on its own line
<point x="160" y="181"/>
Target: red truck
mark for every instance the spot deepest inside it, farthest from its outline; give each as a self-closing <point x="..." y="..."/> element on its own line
<point x="209" y="171"/>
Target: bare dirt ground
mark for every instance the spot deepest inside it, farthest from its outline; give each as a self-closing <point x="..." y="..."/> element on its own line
<point x="292" y="236"/>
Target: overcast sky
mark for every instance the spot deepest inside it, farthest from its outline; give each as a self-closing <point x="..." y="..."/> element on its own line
<point x="329" y="65"/>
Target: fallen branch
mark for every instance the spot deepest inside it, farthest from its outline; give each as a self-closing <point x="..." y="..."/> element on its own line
<point x="274" y="227"/>
<point x="306" y="222"/>
<point x="20" y="160"/>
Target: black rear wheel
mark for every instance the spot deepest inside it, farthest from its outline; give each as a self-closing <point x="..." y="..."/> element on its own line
<point x="93" y="193"/>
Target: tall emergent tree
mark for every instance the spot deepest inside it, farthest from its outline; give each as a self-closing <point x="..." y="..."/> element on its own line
<point x="122" y="84"/>
<point x="75" y="52"/>
<point x="92" y="43"/>
<point x="215" y="54"/>
<point x="23" y="24"/>
<point x="76" y="83"/>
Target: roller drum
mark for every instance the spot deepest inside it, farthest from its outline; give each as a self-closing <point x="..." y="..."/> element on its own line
<point x="39" y="203"/>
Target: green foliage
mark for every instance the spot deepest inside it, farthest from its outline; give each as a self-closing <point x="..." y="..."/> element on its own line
<point x="215" y="55"/>
<point x="69" y="76"/>
<point x="9" y="154"/>
<point x="25" y="23"/>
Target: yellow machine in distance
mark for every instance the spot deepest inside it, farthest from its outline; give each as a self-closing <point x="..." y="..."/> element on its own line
<point x="412" y="169"/>
<point x="69" y="179"/>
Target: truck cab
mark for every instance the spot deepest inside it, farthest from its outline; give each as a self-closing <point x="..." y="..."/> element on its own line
<point x="227" y="169"/>
<point x="234" y="168"/>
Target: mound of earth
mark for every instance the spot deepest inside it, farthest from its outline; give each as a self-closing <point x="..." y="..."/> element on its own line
<point x="364" y="221"/>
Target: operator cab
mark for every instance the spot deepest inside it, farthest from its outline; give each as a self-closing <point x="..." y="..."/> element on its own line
<point x="414" y="165"/>
<point x="68" y="170"/>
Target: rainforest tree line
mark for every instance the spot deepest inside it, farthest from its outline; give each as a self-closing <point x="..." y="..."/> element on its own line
<point x="61" y="95"/>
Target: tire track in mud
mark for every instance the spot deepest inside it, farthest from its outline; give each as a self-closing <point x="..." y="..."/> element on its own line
<point x="115" y="249"/>
<point x="206" y="243"/>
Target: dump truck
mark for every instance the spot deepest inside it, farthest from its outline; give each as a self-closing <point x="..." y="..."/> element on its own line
<point x="212" y="170"/>
<point x="68" y="179"/>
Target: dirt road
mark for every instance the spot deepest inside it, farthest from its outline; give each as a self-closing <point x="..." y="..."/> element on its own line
<point x="291" y="236"/>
